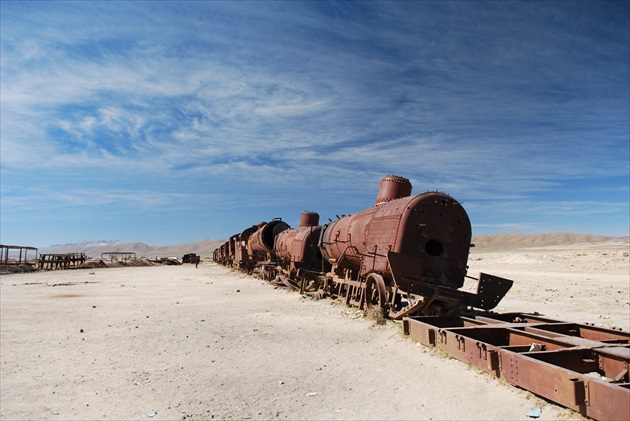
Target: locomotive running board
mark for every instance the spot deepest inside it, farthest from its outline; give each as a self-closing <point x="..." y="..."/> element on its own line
<point x="581" y="367"/>
<point x="407" y="275"/>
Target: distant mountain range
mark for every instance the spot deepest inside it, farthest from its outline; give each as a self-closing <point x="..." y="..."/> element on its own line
<point x="205" y="247"/>
<point x="521" y="241"/>
<point x="91" y="243"/>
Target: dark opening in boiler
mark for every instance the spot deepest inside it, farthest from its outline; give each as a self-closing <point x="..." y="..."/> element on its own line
<point x="434" y="248"/>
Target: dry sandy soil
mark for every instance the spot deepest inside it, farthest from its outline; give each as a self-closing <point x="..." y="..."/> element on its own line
<point x="584" y="283"/>
<point x="175" y="342"/>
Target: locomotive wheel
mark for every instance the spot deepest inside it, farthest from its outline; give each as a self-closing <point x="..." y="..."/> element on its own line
<point x="376" y="294"/>
<point x="288" y="282"/>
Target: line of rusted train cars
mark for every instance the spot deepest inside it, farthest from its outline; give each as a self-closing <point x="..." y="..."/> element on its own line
<point x="406" y="258"/>
<point x="406" y="255"/>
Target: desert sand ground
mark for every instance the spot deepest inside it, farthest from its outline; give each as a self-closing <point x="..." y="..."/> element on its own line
<point x="584" y="283"/>
<point x="175" y="342"/>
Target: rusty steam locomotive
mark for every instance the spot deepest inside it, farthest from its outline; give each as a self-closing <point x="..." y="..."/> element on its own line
<point x="406" y="255"/>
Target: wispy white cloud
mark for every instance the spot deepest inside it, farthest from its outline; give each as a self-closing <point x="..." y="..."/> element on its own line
<point x="499" y="104"/>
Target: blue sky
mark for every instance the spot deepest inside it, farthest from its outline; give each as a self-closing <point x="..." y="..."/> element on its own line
<point x="170" y="122"/>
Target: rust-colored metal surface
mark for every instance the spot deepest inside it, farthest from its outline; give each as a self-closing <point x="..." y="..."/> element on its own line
<point x="298" y="252"/>
<point x="231" y="248"/>
<point x="297" y="248"/>
<point x="393" y="187"/>
<point x="581" y="367"/>
<point x="61" y="261"/>
<point x="417" y="245"/>
<point x="431" y="228"/>
<point x="405" y="255"/>
<point x="242" y="258"/>
<point x="408" y="276"/>
<point x="263" y="240"/>
<point x="309" y="219"/>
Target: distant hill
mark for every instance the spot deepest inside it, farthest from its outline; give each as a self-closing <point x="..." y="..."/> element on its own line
<point x="551" y="239"/>
<point x="205" y="247"/>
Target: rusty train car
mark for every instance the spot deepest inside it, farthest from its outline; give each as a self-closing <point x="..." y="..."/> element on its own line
<point x="301" y="263"/>
<point x="406" y="255"/>
<point x="406" y="258"/>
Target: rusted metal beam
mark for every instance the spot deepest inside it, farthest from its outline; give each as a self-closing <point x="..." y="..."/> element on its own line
<point x="582" y="367"/>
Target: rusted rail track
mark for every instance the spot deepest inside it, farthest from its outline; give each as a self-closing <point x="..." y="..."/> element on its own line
<point x="582" y="367"/>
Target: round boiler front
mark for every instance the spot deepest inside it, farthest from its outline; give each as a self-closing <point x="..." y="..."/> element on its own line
<point x="267" y="234"/>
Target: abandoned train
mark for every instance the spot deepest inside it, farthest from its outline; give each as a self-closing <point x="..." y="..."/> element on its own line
<point x="406" y="255"/>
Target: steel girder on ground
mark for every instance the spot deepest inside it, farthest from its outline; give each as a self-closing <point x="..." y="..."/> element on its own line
<point x="582" y="367"/>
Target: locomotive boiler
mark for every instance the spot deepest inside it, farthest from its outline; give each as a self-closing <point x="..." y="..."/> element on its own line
<point x="258" y="248"/>
<point x="298" y="253"/>
<point x="252" y="250"/>
<point x="406" y="255"/>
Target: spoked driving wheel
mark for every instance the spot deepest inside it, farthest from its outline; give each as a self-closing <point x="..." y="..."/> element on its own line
<point x="376" y="295"/>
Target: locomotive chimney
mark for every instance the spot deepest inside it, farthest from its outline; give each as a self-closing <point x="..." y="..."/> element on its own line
<point x="393" y="187"/>
<point x="309" y="219"/>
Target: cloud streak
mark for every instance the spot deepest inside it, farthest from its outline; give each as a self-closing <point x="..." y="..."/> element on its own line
<point x="285" y="106"/>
